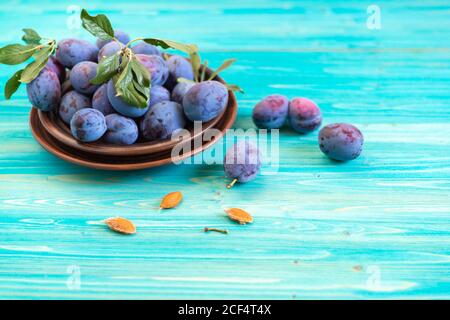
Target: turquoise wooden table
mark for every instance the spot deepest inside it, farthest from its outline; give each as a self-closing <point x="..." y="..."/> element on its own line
<point x="377" y="227"/>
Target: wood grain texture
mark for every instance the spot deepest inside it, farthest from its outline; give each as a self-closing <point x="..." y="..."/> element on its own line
<point x="321" y="229"/>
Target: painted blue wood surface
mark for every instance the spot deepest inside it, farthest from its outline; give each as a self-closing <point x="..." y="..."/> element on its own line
<point x="377" y="227"/>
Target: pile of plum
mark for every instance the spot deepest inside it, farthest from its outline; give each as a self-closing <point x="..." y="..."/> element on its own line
<point x="338" y="141"/>
<point x="96" y="112"/>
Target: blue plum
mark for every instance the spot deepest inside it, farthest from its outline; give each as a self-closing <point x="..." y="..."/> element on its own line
<point x="120" y="106"/>
<point x="271" y="112"/>
<point x="341" y="141"/>
<point x="57" y="68"/>
<point x="179" y="67"/>
<point x="108" y="50"/>
<point x="100" y="100"/>
<point x="242" y="162"/>
<point x="304" y="115"/>
<point x="180" y="90"/>
<point x="162" y="120"/>
<point x="88" y="125"/>
<point x="71" y="102"/>
<point x="44" y="92"/>
<point x="81" y="75"/>
<point x="145" y="48"/>
<point x="122" y="36"/>
<point x="120" y="130"/>
<point x="72" y="51"/>
<point x="205" y="100"/>
<point x="158" y="94"/>
<point x="156" y="66"/>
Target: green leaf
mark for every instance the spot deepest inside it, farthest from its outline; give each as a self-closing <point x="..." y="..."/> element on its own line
<point x="12" y="84"/>
<point x="107" y="68"/>
<point x="31" y="36"/>
<point x="129" y="89"/>
<point x="99" y="25"/>
<point x="185" y="80"/>
<point x="124" y="78"/>
<point x="166" y="44"/>
<point x="226" y="64"/>
<point x="196" y="63"/>
<point x="133" y="96"/>
<point x="141" y="73"/>
<point x="141" y="78"/>
<point x="144" y="91"/>
<point x="234" y="87"/>
<point x="32" y="70"/>
<point x="205" y="65"/>
<point x="16" y="53"/>
<point x="190" y="49"/>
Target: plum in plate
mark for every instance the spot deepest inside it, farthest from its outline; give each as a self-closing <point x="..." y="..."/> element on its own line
<point x="81" y="75"/>
<point x="100" y="100"/>
<point x="71" y="102"/>
<point x="44" y="92"/>
<point x="162" y="120"/>
<point x="179" y="67"/>
<point x="120" y="130"/>
<point x="158" y="94"/>
<point x="205" y="100"/>
<point x="157" y="67"/>
<point x="121" y="106"/>
<point x="179" y="91"/>
<point x="73" y="51"/>
<point x="88" y="125"/>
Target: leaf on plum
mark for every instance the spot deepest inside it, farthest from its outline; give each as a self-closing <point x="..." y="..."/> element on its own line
<point x="107" y="68"/>
<point x="16" y="53"/>
<point x="205" y="65"/>
<point x="13" y="84"/>
<point x="233" y="87"/>
<point x="181" y="79"/>
<point x="99" y="25"/>
<point x="132" y="95"/>
<point x="190" y="49"/>
<point x="31" y="36"/>
<point x="125" y="77"/>
<point x="129" y="89"/>
<point x="226" y="64"/>
<point x="166" y="44"/>
<point x="196" y="63"/>
<point x="141" y="73"/>
<point x="33" y="69"/>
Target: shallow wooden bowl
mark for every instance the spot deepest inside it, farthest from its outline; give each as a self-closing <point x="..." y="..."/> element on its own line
<point x="121" y="163"/>
<point x="61" y="132"/>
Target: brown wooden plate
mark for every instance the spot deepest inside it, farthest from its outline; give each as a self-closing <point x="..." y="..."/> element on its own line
<point x="120" y="163"/>
<point x="61" y="132"/>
